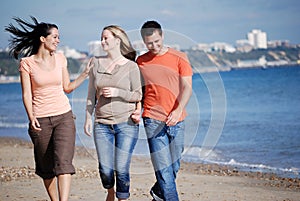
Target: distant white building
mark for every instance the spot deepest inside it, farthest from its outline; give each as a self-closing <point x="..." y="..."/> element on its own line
<point x="95" y="48"/>
<point x="257" y="39"/>
<point x="71" y="53"/>
<point x="220" y="46"/>
<point x="278" y="43"/>
<point x="243" y="45"/>
<point x="216" y="46"/>
<point x="202" y="46"/>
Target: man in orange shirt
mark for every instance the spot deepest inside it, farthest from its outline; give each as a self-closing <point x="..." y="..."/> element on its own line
<point x="167" y="77"/>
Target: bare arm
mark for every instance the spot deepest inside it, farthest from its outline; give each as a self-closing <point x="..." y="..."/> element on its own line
<point x="183" y="99"/>
<point x="27" y="100"/>
<point x="70" y="86"/>
<point x="90" y="104"/>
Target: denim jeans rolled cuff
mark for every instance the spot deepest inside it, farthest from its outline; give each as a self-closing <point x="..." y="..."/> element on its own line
<point x="122" y="195"/>
<point x="114" y="146"/>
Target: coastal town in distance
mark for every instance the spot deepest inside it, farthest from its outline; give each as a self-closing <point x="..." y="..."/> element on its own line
<point x="255" y="51"/>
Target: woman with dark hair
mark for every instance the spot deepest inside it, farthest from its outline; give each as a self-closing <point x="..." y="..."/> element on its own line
<point x="115" y="82"/>
<point x="45" y="80"/>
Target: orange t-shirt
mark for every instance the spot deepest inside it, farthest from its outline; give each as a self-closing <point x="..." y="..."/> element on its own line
<point x="48" y="97"/>
<point x="161" y="75"/>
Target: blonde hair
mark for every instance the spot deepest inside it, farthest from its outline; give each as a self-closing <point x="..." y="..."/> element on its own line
<point x="126" y="48"/>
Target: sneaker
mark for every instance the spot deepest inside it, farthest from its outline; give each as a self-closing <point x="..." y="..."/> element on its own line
<point x="155" y="197"/>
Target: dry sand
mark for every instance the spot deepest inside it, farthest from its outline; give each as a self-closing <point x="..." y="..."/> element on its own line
<point x="195" y="181"/>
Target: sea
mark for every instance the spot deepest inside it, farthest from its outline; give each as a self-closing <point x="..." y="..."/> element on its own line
<point x="248" y="119"/>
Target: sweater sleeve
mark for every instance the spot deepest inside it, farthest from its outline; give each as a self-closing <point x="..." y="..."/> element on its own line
<point x="135" y="93"/>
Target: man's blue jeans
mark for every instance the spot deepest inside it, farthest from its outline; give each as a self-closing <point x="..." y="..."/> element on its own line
<point x="114" y="145"/>
<point x="166" y="144"/>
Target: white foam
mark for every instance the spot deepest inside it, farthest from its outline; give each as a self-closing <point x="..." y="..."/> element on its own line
<point x="197" y="154"/>
<point x="232" y="162"/>
<point x="208" y="156"/>
<point x="13" y="125"/>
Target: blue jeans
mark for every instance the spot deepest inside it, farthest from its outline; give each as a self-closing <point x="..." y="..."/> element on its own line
<point x="166" y="144"/>
<point x="114" y="145"/>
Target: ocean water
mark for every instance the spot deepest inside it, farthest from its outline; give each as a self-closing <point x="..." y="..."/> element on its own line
<point x="248" y="119"/>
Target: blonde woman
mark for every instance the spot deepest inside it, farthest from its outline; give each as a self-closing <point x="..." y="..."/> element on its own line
<point x="114" y="88"/>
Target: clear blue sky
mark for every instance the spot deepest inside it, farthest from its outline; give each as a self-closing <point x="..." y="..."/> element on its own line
<point x="202" y="21"/>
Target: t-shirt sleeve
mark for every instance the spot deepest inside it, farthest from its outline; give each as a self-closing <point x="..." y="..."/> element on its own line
<point x="185" y="68"/>
<point x="24" y="67"/>
<point x="62" y="60"/>
<point x="138" y="60"/>
<point x="135" y="94"/>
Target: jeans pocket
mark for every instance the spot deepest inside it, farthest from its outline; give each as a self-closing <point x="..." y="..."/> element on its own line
<point x="148" y="122"/>
<point x="153" y="127"/>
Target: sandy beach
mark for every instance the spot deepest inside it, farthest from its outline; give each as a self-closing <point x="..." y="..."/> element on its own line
<point x="195" y="181"/>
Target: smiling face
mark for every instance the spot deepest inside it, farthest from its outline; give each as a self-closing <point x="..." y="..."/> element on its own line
<point x="154" y="42"/>
<point x="108" y="40"/>
<point x="52" y="40"/>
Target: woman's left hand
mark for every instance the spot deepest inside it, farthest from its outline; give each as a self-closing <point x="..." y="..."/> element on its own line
<point x="109" y="92"/>
<point x="136" y="116"/>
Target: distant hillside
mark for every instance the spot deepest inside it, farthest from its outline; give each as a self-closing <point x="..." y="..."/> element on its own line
<point x="224" y="60"/>
<point x="200" y="60"/>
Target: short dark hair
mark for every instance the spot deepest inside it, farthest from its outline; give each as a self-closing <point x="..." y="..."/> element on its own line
<point x="149" y="27"/>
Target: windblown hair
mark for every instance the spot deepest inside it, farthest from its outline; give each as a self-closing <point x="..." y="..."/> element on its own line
<point x="149" y="27"/>
<point x="24" y="41"/>
<point x="126" y="48"/>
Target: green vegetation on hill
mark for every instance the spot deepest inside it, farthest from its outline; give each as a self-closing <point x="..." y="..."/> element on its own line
<point x="10" y="66"/>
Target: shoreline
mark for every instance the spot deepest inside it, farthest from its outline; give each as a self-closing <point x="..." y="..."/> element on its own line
<point x="292" y="173"/>
<point x="202" y="69"/>
<point x="195" y="181"/>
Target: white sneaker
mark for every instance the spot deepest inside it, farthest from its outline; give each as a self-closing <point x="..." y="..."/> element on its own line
<point x="155" y="197"/>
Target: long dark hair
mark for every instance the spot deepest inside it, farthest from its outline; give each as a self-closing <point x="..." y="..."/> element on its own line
<point x="26" y="42"/>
